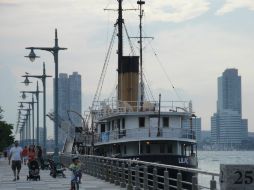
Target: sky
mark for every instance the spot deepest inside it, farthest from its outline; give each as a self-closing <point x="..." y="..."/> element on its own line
<point x="194" y="42"/>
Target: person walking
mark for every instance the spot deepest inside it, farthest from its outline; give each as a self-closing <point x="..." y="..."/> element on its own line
<point x="39" y="155"/>
<point x="15" y="156"/>
<point x="25" y="154"/>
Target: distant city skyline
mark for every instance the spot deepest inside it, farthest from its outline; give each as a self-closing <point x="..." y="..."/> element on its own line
<point x="194" y="42"/>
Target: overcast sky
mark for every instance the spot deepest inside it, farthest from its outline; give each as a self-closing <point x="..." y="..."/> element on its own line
<point x="195" y="41"/>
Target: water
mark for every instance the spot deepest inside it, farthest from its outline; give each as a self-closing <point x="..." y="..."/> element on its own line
<point x="211" y="160"/>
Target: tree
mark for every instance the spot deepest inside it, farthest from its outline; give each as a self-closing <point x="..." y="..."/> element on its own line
<point x="6" y="137"/>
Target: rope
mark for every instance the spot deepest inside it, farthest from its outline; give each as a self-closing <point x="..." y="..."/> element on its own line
<point x="164" y="71"/>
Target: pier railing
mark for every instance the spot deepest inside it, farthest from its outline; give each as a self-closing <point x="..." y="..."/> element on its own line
<point x="134" y="174"/>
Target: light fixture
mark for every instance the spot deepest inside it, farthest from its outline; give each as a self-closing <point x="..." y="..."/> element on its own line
<point x="23" y="95"/>
<point x="26" y="81"/>
<point x="21" y="105"/>
<point x="32" y="55"/>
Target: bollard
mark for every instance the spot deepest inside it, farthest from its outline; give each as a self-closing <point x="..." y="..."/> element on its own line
<point x="213" y="184"/>
<point x="194" y="182"/>
<point x="179" y="181"/>
<point x="166" y="180"/>
<point x="117" y="181"/>
<point x="123" y="182"/>
<point x="129" y="186"/>
<point x="137" y="183"/>
<point x="145" y="178"/>
<point x="155" y="179"/>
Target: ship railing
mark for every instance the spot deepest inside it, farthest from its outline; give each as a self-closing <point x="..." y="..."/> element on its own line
<point x="144" y="133"/>
<point x="135" y="174"/>
<point x="113" y="106"/>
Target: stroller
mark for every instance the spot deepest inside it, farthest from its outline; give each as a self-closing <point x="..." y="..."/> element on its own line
<point x="34" y="171"/>
<point x="56" y="169"/>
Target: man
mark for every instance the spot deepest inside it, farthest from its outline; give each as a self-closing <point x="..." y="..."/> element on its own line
<point x="16" y="157"/>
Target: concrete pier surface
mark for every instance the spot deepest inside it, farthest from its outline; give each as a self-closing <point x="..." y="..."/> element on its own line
<point x="47" y="182"/>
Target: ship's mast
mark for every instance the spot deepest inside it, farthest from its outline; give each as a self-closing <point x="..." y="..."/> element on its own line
<point x="140" y="3"/>
<point x="120" y="41"/>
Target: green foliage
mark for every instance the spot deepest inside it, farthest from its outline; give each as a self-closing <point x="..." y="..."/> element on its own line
<point x="6" y="137"/>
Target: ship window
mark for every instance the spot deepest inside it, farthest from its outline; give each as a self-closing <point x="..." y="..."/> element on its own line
<point x="113" y="127"/>
<point x="165" y="122"/>
<point x="170" y="148"/>
<point x="141" y="122"/>
<point x="148" y="148"/>
<point x="118" y="124"/>
<point x="124" y="149"/>
<point x="102" y="128"/>
<point x="123" y="123"/>
<point x="162" y="148"/>
<point x="141" y="148"/>
<point x="108" y="126"/>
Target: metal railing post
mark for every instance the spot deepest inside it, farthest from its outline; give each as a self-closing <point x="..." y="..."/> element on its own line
<point x="107" y="167"/>
<point x="137" y="182"/>
<point x="213" y="184"/>
<point x="179" y="181"/>
<point x="117" y="181"/>
<point x="145" y="178"/>
<point x="112" y="177"/>
<point x="101" y="169"/>
<point x="166" y="180"/>
<point x="97" y="167"/>
<point x="123" y="182"/>
<point x="155" y="179"/>
<point x="194" y="182"/>
<point x="129" y="186"/>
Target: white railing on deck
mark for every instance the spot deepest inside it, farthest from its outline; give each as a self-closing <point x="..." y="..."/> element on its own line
<point x="112" y="106"/>
<point x="144" y="133"/>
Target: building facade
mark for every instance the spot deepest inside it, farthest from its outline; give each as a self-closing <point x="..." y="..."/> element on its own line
<point x="228" y="129"/>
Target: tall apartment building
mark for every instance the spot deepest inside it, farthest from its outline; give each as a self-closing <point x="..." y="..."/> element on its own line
<point x="69" y="98"/>
<point x="227" y="126"/>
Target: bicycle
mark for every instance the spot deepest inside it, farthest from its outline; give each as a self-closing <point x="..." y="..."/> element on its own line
<point x="75" y="180"/>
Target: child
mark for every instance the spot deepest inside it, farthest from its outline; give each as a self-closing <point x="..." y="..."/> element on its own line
<point x="75" y="167"/>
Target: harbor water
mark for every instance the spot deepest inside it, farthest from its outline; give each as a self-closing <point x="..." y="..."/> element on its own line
<point x="211" y="160"/>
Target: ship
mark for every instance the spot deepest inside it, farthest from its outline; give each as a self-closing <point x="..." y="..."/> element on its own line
<point x="131" y="127"/>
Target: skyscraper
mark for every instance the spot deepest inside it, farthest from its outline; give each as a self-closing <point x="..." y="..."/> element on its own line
<point x="69" y="92"/>
<point x="227" y="126"/>
<point x="75" y="97"/>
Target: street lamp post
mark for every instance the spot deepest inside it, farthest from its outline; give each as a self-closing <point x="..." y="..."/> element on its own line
<point x="27" y="115"/>
<point x="43" y="79"/>
<point x="32" y="104"/>
<point x="54" y="50"/>
<point x="37" y="99"/>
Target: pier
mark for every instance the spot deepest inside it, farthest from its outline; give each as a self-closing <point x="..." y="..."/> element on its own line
<point x="47" y="182"/>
